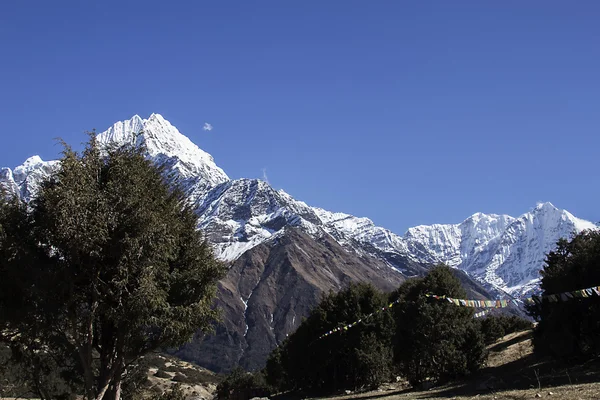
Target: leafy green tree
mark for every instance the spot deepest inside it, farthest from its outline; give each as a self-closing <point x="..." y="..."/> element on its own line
<point x="570" y="329"/>
<point x="435" y="340"/>
<point x="103" y="266"/>
<point x="360" y="356"/>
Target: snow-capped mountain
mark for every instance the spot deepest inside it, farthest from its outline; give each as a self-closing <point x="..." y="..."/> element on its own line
<point x="237" y="215"/>
<point x="504" y="252"/>
<point x="24" y="181"/>
<point x="194" y="168"/>
<point x="283" y="254"/>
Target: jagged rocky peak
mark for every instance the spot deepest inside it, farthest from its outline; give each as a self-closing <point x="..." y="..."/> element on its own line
<point x="500" y="250"/>
<point x="551" y="214"/>
<point x="192" y="167"/>
<point x="240" y="214"/>
<point x="166" y="145"/>
<point x="25" y="179"/>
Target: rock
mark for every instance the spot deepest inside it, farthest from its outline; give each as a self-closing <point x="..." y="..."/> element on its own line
<point x="538" y="395"/>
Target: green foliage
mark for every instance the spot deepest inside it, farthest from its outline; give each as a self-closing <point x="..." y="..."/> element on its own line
<point x="241" y="385"/>
<point x="103" y="266"/>
<point x="493" y="327"/>
<point x="570" y="329"/>
<point x="18" y="376"/>
<point x="435" y="340"/>
<point x="353" y="358"/>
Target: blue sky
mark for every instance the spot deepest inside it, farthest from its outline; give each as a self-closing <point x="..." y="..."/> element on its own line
<point x="407" y="112"/>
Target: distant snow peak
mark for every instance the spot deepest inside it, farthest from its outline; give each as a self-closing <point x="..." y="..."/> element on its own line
<point x="541" y="205"/>
<point x="503" y="251"/>
<point x="25" y="179"/>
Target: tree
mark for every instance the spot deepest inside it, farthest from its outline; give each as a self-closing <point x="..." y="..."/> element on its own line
<point x="435" y="340"/>
<point x="360" y="356"/>
<point x="570" y="329"/>
<point x="104" y="265"/>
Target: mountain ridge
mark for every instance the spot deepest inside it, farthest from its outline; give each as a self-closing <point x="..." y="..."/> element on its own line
<point x="240" y="214"/>
<point x="284" y="254"/>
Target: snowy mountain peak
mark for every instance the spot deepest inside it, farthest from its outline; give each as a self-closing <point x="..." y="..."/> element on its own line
<point x="163" y="140"/>
<point x="195" y="168"/>
<point x="24" y="181"/>
<point x="31" y="162"/>
<point x="545" y="205"/>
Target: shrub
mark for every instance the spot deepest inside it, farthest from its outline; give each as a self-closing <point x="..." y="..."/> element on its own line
<point x="242" y="385"/>
<point x="493" y="327"/>
<point x="162" y="374"/>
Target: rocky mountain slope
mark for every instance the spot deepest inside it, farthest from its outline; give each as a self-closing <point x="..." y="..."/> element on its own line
<point x="284" y="253"/>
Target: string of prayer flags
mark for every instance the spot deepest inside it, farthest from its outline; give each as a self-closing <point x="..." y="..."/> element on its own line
<point x="481" y="313"/>
<point x="575" y="294"/>
<point x="346" y="327"/>
<point x="475" y="303"/>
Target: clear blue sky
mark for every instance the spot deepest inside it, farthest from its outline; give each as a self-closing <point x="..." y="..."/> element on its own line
<point x="408" y="112"/>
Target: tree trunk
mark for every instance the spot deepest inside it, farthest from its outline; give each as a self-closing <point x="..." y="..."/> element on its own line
<point x="118" y="387"/>
<point x="87" y="374"/>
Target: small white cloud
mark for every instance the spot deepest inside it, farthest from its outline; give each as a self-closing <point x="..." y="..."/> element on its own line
<point x="207" y="127"/>
<point x="264" y="176"/>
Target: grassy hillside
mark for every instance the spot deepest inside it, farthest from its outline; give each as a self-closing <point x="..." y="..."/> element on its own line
<point x="512" y="372"/>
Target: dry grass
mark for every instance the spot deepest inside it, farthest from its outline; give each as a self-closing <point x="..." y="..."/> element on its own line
<point x="569" y="392"/>
<point x="512" y="372"/>
<point x="197" y="383"/>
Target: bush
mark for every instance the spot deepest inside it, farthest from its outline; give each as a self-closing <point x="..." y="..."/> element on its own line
<point x="570" y="330"/>
<point x="493" y="327"/>
<point x="242" y="385"/>
<point x="162" y="374"/>
<point x="179" y="377"/>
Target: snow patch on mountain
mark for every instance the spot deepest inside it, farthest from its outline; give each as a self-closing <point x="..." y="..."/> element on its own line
<point x="241" y="214"/>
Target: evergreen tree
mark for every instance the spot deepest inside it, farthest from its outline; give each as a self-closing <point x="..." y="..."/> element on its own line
<point x="352" y="358"/>
<point x="103" y="266"/>
<point x="570" y="329"/>
<point x="435" y="340"/>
